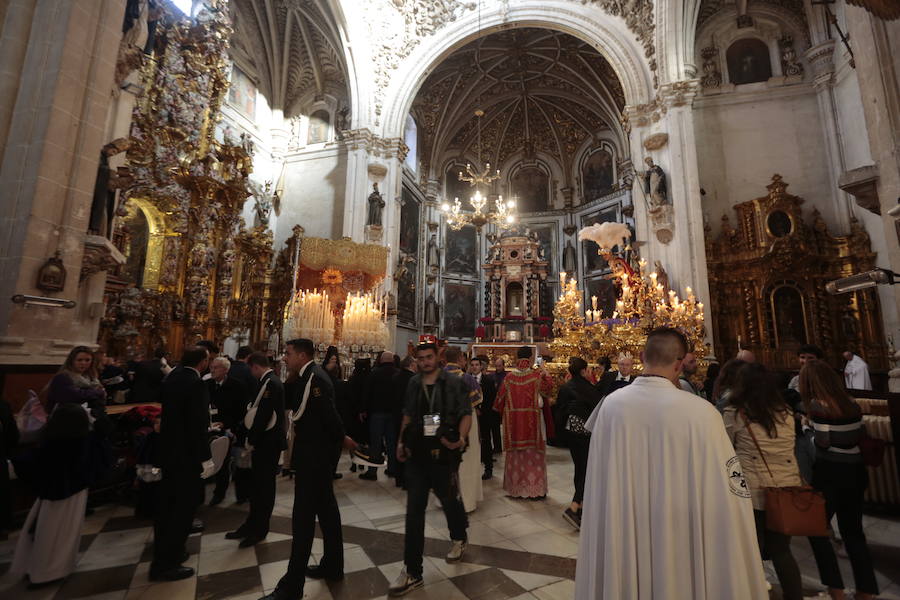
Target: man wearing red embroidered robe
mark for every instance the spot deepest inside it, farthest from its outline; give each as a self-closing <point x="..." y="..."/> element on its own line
<point x="519" y="401"/>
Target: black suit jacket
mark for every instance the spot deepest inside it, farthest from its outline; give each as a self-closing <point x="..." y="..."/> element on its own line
<point x="229" y="399"/>
<point x="271" y="402"/>
<point x="184" y="440"/>
<point x="615" y="384"/>
<point x="319" y="433"/>
<point x="488" y="392"/>
<point x="148" y="379"/>
<point x="241" y="371"/>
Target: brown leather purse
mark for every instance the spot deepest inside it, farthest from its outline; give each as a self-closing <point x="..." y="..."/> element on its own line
<point x="792" y="510"/>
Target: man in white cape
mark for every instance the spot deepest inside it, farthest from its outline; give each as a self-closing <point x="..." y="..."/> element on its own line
<point x="667" y="514"/>
<point x="856" y="373"/>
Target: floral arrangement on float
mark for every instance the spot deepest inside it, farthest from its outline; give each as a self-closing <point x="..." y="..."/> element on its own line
<point x="643" y="304"/>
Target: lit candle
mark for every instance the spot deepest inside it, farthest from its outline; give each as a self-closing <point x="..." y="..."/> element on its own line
<point x="562" y="278"/>
<point x="594" y="302"/>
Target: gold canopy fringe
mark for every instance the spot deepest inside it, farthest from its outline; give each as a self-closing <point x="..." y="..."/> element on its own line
<point x="344" y="255"/>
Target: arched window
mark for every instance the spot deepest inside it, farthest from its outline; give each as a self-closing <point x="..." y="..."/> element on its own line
<point x="318" y="127"/>
<point x="748" y="61"/>
<point x="411" y="139"/>
<point x="530" y="186"/>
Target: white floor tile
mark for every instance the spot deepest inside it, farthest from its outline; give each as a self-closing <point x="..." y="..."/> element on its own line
<point x="226" y="560"/>
<point x="561" y="590"/>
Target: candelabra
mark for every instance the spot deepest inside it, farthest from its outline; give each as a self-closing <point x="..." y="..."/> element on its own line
<point x="308" y="315"/>
<point x="364" y="322"/>
<point x="643" y="305"/>
<point x="503" y="215"/>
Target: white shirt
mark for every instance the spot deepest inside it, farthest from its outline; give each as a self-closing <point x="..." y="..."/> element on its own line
<point x="856" y="374"/>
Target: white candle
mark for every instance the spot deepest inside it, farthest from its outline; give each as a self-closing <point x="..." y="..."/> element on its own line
<point x="562" y="278"/>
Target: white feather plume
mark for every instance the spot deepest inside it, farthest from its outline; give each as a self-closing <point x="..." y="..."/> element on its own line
<point x="605" y="235"/>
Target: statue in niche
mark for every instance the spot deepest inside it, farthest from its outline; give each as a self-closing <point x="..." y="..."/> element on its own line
<point x="431" y="310"/>
<point x="569" y="258"/>
<point x="655" y="185"/>
<point x="432" y="255"/>
<point x="342" y="122"/>
<point x="376" y="205"/>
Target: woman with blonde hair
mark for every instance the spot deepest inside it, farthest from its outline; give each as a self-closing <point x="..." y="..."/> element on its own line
<point x="76" y="381"/>
<point x="839" y="473"/>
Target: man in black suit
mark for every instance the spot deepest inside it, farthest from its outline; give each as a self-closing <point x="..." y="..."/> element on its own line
<point x="318" y="432"/>
<point x="185" y="459"/>
<point x="266" y="436"/>
<point x="623" y="374"/>
<point x="213" y="349"/>
<point x="227" y="405"/>
<point x="487" y="416"/>
<point x="379" y="410"/>
<point x="240" y="370"/>
<point x="148" y="378"/>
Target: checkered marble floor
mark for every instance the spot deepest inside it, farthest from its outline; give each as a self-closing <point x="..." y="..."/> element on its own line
<point x="517" y="549"/>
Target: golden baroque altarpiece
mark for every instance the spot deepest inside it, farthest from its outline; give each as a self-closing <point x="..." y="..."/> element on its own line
<point x="767" y="281"/>
<point x="204" y="274"/>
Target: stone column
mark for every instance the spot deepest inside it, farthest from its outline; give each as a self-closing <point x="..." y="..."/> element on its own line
<point x="62" y="94"/>
<point x="375" y="160"/>
<point x="664" y="131"/>
<point x="876" y="46"/>
<point x="821" y="60"/>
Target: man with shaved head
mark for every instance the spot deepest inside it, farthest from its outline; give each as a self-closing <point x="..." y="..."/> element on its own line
<point x="666" y="511"/>
<point x="379" y="407"/>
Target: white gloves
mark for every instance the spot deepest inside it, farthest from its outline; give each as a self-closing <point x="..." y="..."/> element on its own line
<point x="209" y="467"/>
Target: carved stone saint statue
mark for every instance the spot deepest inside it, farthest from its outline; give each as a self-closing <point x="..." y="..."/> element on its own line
<point x="655" y="185"/>
<point x="433" y="256"/>
<point x="376" y="204"/>
<point x="569" y="258"/>
<point x="431" y="310"/>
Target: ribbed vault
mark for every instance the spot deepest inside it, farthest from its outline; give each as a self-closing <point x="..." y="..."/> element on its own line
<point x="293" y="48"/>
<point x="540" y="90"/>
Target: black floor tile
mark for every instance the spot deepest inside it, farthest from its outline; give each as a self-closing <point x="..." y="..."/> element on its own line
<point x="101" y="581"/>
<point x="216" y="586"/>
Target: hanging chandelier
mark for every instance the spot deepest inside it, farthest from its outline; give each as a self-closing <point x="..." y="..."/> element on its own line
<point x="502" y="216"/>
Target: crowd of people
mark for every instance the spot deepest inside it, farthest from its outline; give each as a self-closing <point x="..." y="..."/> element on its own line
<point x="654" y="439"/>
<point x="435" y="421"/>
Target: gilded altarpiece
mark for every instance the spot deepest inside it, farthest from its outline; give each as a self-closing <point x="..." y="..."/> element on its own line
<point x="767" y="281"/>
<point x="204" y="274"/>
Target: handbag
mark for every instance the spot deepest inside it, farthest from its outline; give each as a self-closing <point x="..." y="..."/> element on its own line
<point x="575" y="425"/>
<point x="792" y="510"/>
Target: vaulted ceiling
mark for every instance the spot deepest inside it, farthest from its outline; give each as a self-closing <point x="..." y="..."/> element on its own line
<point x="292" y="47"/>
<point x="540" y="90"/>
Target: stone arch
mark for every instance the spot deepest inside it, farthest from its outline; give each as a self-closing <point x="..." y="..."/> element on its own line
<point x="604" y="32"/>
